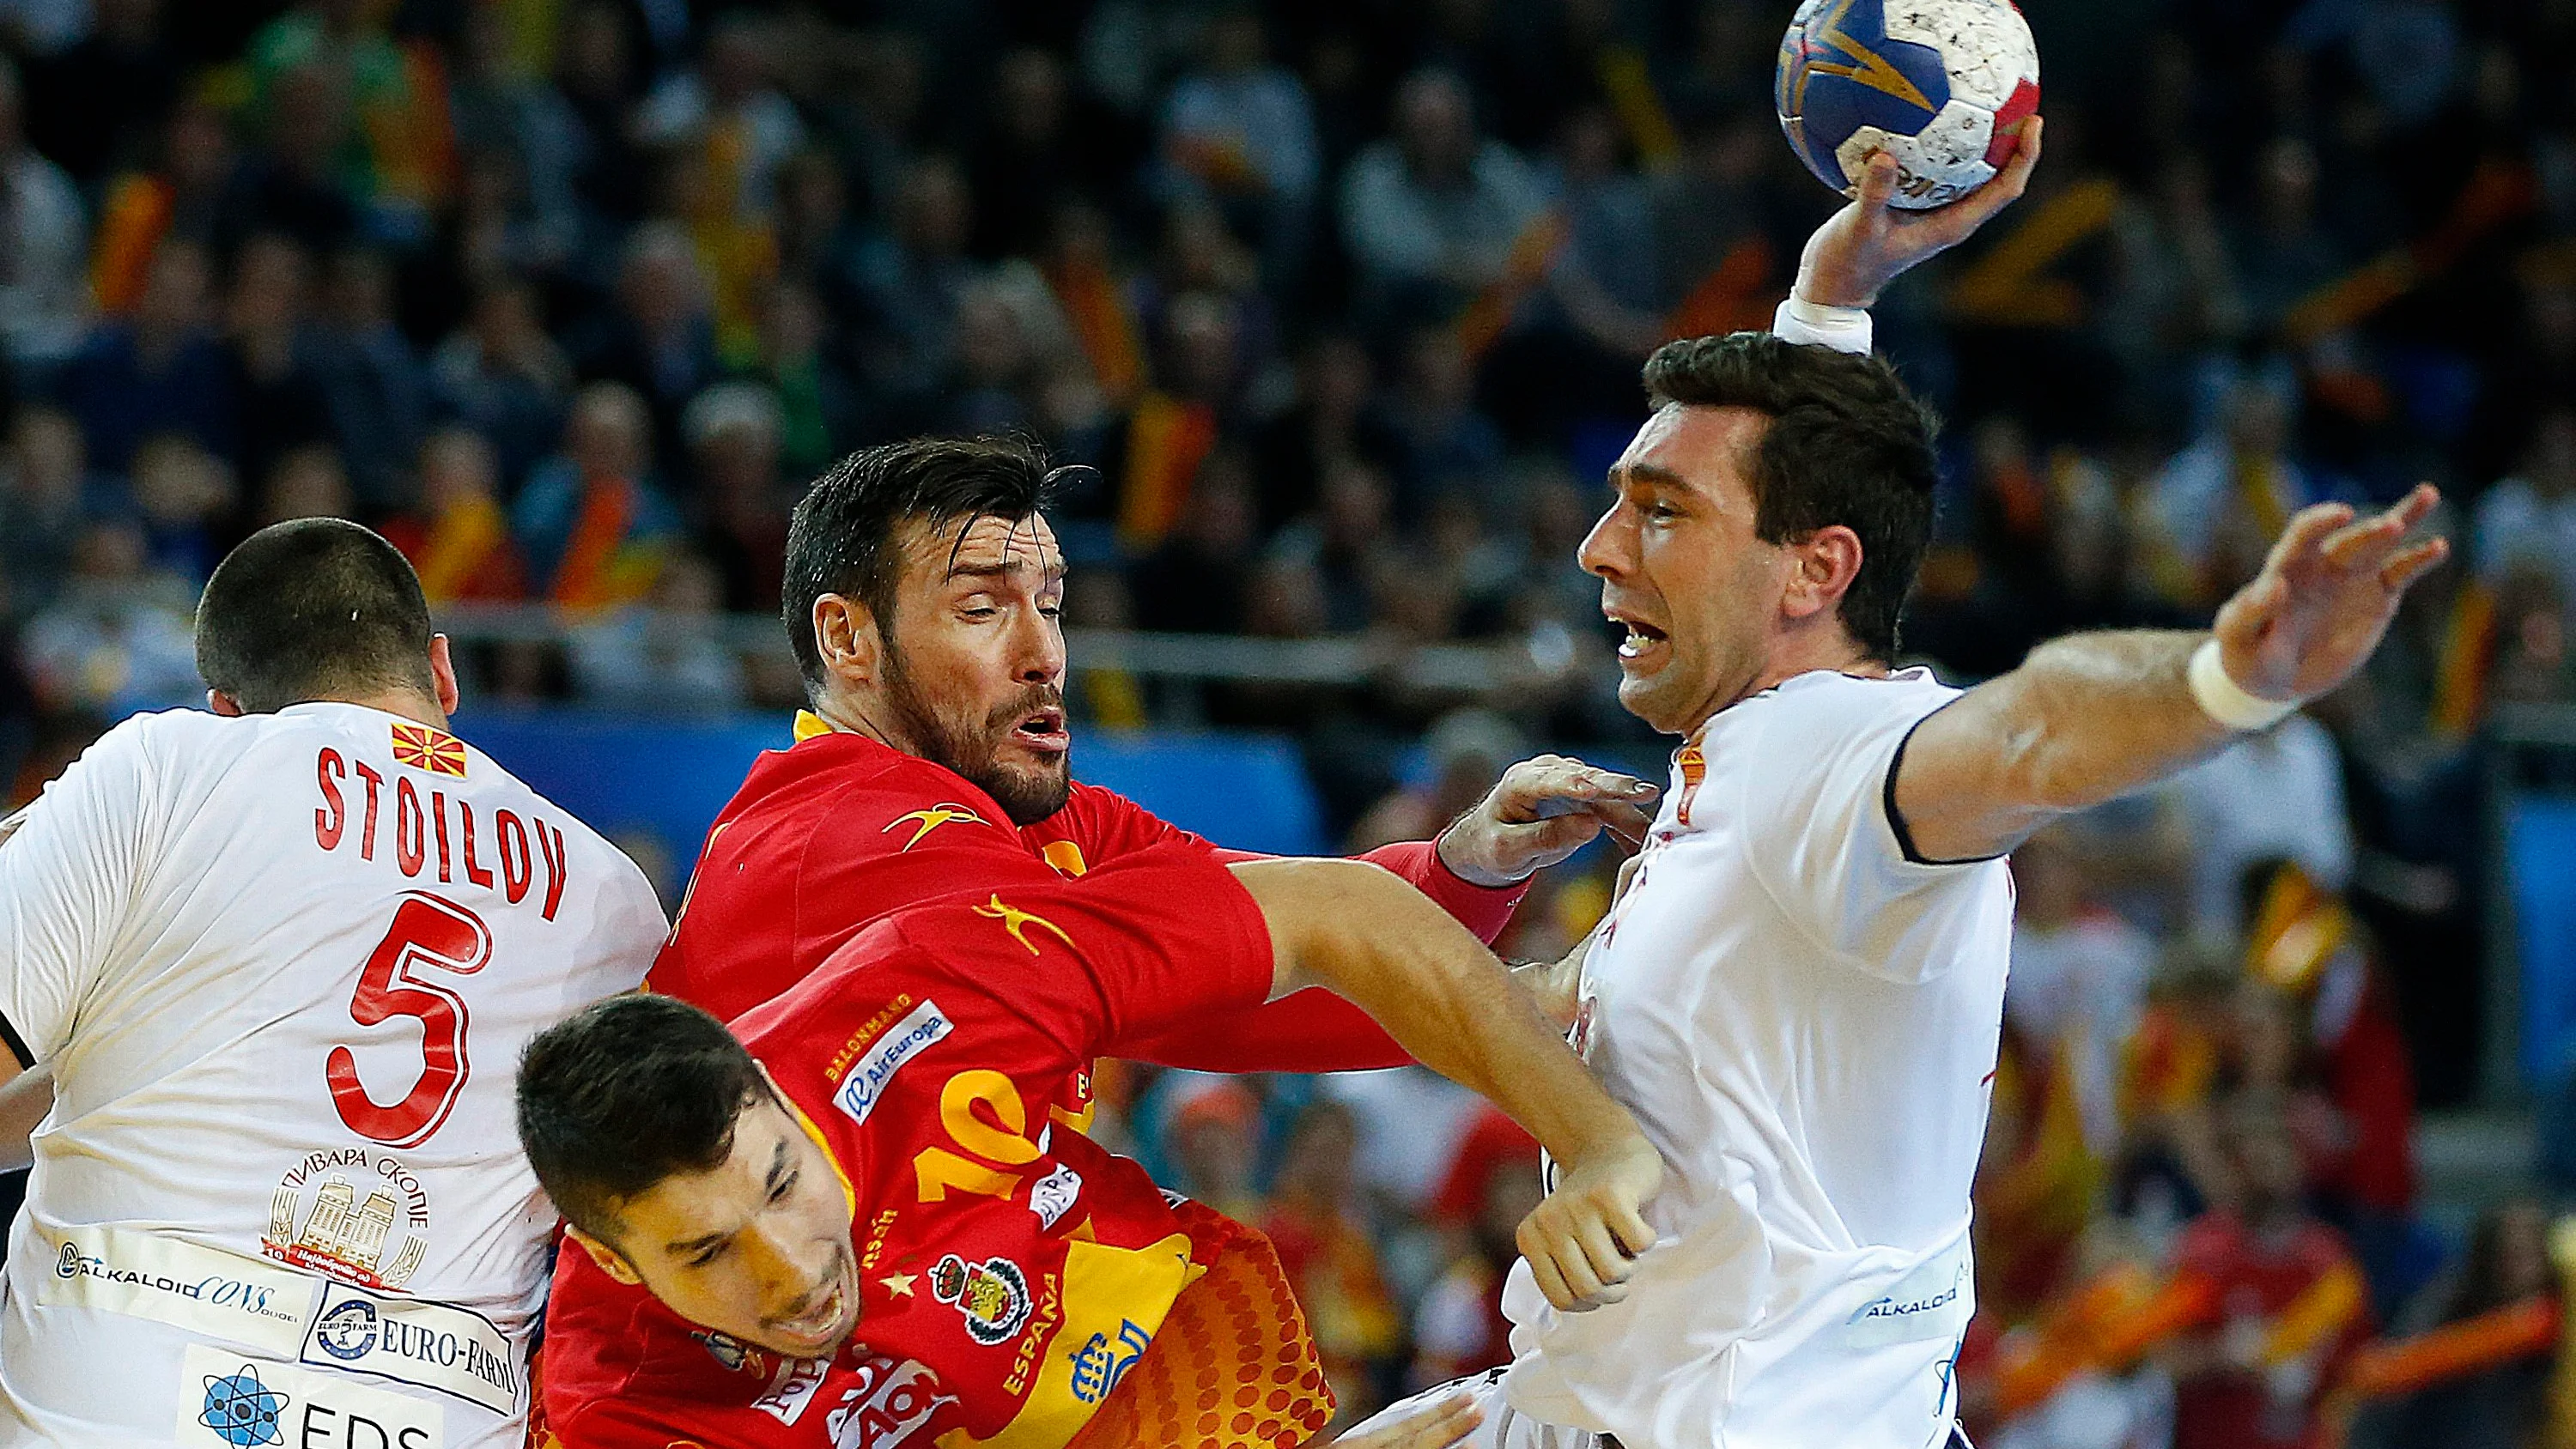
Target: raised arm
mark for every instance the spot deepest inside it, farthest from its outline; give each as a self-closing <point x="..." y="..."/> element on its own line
<point x="2094" y="716"/>
<point x="1369" y="937"/>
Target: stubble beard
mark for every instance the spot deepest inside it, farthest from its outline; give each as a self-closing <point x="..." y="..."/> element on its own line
<point x="1027" y="795"/>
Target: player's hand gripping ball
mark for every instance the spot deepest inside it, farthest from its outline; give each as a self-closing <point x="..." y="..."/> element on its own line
<point x="1941" y="86"/>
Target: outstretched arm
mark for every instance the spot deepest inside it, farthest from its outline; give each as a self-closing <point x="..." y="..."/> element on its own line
<point x="1369" y="937"/>
<point x="2094" y="716"/>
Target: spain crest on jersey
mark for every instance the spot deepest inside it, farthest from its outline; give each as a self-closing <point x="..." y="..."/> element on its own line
<point x="433" y="750"/>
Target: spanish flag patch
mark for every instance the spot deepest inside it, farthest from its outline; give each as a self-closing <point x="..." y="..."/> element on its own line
<point x="423" y="748"/>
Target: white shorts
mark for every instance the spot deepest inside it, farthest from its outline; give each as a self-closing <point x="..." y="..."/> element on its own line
<point x="1504" y="1427"/>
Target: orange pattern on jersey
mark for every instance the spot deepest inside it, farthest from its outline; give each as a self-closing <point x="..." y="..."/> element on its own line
<point x="1065" y="856"/>
<point x="423" y="748"/>
<point x="1232" y="1367"/>
<point x="1693" y="763"/>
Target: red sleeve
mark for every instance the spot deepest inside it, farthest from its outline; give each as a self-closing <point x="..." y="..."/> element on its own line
<point x="1150" y="944"/>
<point x="1485" y="910"/>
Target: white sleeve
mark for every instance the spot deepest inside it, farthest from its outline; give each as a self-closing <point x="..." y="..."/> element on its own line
<point x="1844" y="329"/>
<point x="1826" y="840"/>
<point x="67" y="872"/>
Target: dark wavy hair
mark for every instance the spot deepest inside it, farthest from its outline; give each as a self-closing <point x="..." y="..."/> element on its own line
<point x="1847" y="444"/>
<point x="842" y="538"/>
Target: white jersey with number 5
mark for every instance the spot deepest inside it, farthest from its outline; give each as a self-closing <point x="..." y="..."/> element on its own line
<point x="282" y="967"/>
<point x="1805" y="1020"/>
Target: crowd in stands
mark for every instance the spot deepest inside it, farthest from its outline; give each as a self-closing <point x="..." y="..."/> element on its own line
<point x="1339" y="307"/>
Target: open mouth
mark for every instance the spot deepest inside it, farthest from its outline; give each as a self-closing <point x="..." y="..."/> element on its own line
<point x="1642" y="639"/>
<point x="819" y="1326"/>
<point x="1044" y="732"/>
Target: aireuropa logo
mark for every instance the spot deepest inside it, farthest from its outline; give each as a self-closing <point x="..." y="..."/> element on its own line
<point x="866" y="1083"/>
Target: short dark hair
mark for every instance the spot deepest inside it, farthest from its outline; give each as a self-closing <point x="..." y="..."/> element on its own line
<point x="628" y="1092"/>
<point x="1847" y="444"/>
<point x="311" y="608"/>
<point x="839" y="541"/>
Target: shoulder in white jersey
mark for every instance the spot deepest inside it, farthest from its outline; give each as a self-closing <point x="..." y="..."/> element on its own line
<point x="282" y="967"/>
<point x="1804" y="1017"/>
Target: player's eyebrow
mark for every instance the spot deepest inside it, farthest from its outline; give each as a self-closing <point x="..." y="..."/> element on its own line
<point x="778" y="1168"/>
<point x="1001" y="569"/>
<point x="1655" y="474"/>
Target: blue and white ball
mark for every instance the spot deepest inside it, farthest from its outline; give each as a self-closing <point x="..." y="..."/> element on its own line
<point x="1940" y="85"/>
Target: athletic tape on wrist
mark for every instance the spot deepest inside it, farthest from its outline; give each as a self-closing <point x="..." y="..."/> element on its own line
<point x="1844" y="329"/>
<point x="2225" y="701"/>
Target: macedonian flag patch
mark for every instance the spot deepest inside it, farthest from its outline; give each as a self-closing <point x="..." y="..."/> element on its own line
<point x="423" y="748"/>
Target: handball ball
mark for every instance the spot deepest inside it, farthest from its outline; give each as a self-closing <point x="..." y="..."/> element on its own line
<point x="1940" y="85"/>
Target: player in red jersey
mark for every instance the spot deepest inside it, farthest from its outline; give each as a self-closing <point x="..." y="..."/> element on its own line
<point x="864" y="1231"/>
<point x="922" y="591"/>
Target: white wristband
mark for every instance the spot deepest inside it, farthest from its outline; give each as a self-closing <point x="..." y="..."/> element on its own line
<point x="2226" y="701"/>
<point x="1844" y="329"/>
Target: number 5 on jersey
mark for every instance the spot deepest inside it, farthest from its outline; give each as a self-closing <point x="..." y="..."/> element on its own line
<point x="427" y="934"/>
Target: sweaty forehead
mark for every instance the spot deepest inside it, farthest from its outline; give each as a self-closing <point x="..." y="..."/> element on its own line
<point x="988" y="544"/>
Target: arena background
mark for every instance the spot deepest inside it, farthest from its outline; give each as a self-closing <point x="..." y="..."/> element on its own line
<point x="1342" y="303"/>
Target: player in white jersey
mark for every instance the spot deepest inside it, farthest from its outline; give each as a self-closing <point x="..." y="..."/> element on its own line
<point x="281" y="960"/>
<point x="1800" y="991"/>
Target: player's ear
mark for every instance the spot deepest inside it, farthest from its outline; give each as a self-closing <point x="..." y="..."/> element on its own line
<point x="610" y="1261"/>
<point x="846" y="638"/>
<point x="442" y="674"/>
<point x="224" y="704"/>
<point x="1822" y="566"/>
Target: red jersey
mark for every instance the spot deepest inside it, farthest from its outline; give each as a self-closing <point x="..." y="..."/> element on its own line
<point x="1012" y="1275"/>
<point x="837" y="831"/>
<point x="2255" y="1279"/>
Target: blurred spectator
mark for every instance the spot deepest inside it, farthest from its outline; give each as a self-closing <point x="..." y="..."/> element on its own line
<point x="914" y="279"/>
<point x="590" y="522"/>
<point x="2289" y="1299"/>
<point x="2219" y="503"/>
<point x="179" y="196"/>
<point x="506" y="117"/>
<point x="2284" y="252"/>
<point x="1330" y="422"/>
<point x="188" y="500"/>
<point x="459" y="538"/>
<point x="93" y="105"/>
<point x="1436" y="205"/>
<point x="378" y="145"/>
<point x="2079" y="977"/>
<point x="1467" y="752"/>
<point x="306" y="483"/>
<point x="1317" y="1221"/>
<point x="2529" y="519"/>
<point x="44" y="237"/>
<point x="1211" y="1129"/>
<point x="1025" y="161"/>
<point x="372" y="383"/>
<point x="668" y="657"/>
<point x="502" y="376"/>
<point x="1441" y="441"/>
<point x="163" y="371"/>
<point x="726" y="118"/>
<point x="599" y="76"/>
<point x="291" y="184"/>
<point x="816" y="406"/>
<point x="276" y="385"/>
<point x="2502" y="1406"/>
<point x="115" y="638"/>
<point x="2274" y="795"/>
<point x="734" y="433"/>
<point x="1492" y="1183"/>
<point x="658" y="339"/>
<point x="1194" y="582"/>
<point x="46" y="496"/>
<point x="1239" y="129"/>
